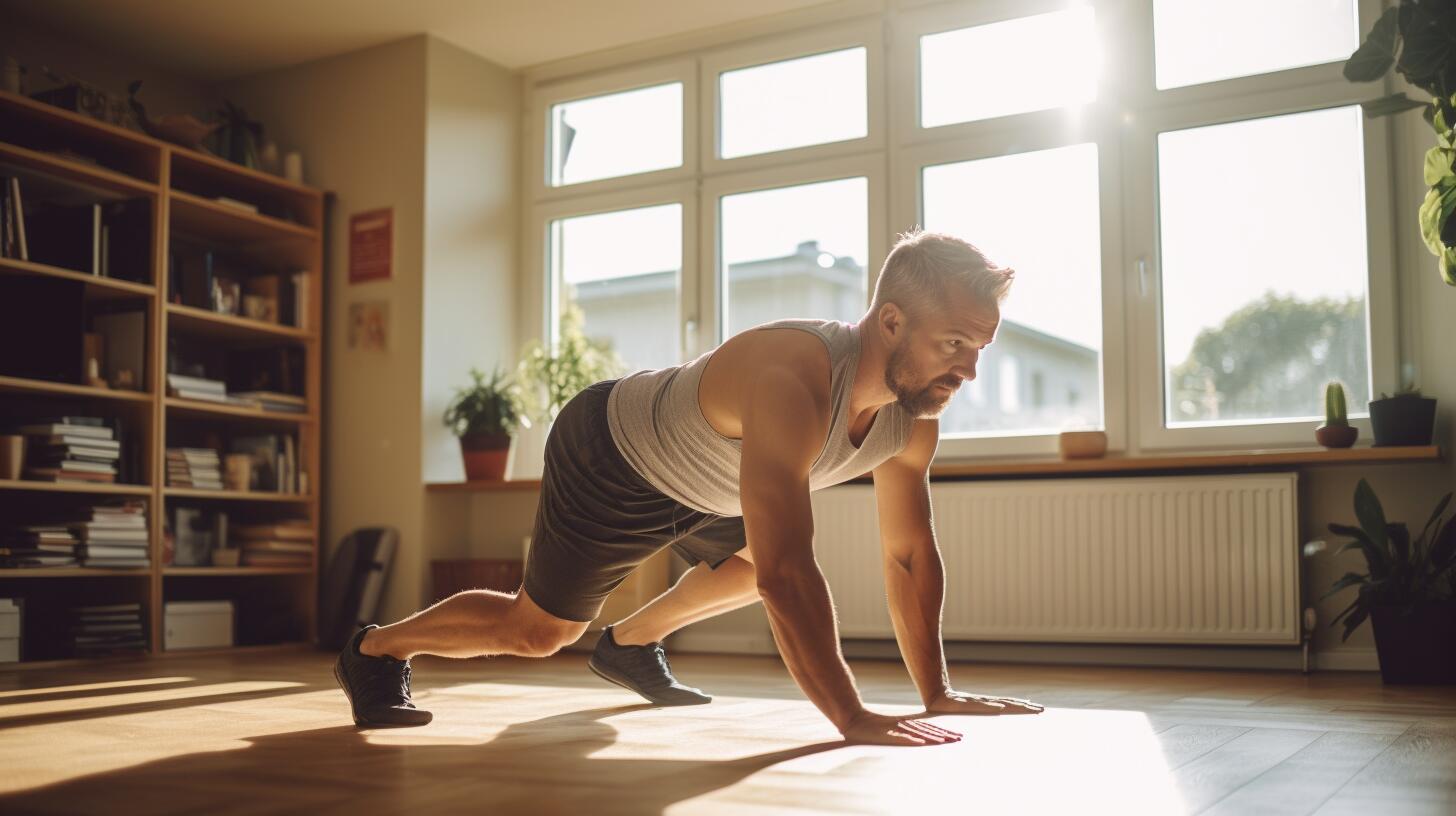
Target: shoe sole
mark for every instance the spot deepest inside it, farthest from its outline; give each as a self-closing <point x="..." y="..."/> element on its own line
<point x="359" y="721"/>
<point x="623" y="683"/>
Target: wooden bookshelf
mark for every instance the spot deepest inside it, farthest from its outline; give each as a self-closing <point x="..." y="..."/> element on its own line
<point x="62" y="158"/>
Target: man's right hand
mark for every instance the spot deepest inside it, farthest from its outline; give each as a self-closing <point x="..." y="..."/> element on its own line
<point x="869" y="728"/>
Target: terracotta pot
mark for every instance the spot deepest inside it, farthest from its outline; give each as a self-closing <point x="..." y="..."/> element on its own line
<point x="1082" y="444"/>
<point x="1336" y="436"/>
<point x="485" y="456"/>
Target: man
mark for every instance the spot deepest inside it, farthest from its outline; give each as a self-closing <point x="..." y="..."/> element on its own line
<point x="717" y="458"/>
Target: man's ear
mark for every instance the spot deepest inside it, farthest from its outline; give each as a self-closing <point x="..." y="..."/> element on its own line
<point x="891" y="321"/>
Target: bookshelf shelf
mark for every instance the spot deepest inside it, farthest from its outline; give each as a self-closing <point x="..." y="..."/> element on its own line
<point x="67" y="160"/>
<point x="97" y="287"/>
<point x="100" y="489"/>
<point x="97" y="180"/>
<point x="74" y="572"/>
<point x="198" y="409"/>
<point x="199" y="216"/>
<point x="231" y="571"/>
<point x="215" y="325"/>
<point x="236" y="495"/>
<point x="23" y="385"/>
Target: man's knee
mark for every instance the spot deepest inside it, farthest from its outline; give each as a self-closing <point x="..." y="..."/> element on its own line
<point x="546" y="641"/>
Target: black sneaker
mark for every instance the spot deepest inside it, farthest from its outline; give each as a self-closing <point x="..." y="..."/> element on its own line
<point x="643" y="669"/>
<point x="378" y="688"/>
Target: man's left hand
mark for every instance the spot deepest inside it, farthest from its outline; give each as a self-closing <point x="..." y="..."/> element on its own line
<point x="959" y="702"/>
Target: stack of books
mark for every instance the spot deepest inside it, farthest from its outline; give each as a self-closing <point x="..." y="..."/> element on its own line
<point x="71" y="449"/>
<point x="275" y="462"/>
<point x="194" y="467"/>
<point x="288" y="543"/>
<point x="108" y="628"/>
<point x="38" y="545"/>
<point x="113" y="535"/>
<point x="274" y="401"/>
<point x="201" y="388"/>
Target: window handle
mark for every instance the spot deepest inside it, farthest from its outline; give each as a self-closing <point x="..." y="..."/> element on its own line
<point x="690" y="336"/>
<point x="1142" y="274"/>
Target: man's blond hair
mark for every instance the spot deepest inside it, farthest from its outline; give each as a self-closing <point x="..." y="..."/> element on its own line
<point x="922" y="266"/>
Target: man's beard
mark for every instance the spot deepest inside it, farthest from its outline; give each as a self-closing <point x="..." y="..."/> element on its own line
<point x="922" y="401"/>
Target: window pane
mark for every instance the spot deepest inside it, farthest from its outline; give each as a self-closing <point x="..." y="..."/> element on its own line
<point x="988" y="71"/>
<point x="795" y="252"/>
<point x="799" y="102"/>
<point x="1037" y="213"/>
<point x="622" y="268"/>
<point x="617" y="135"/>
<point x="1264" y="267"/>
<point x="1201" y="41"/>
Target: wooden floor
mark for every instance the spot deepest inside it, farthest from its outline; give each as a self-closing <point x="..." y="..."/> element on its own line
<point x="269" y="732"/>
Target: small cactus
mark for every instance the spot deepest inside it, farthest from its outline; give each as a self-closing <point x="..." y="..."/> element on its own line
<point x="1335" y="405"/>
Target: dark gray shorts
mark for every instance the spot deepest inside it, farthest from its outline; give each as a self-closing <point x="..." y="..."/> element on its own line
<point x="598" y="519"/>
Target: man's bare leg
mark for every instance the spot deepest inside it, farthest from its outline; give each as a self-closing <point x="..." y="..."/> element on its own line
<point x="474" y="623"/>
<point x="699" y="594"/>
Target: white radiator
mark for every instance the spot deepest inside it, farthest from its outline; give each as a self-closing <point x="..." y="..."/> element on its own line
<point x="1189" y="559"/>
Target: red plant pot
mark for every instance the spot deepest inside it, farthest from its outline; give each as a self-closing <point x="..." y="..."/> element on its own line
<point x="1336" y="436"/>
<point x="485" y="456"/>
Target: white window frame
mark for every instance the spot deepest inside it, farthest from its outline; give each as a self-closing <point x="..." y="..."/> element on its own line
<point x="545" y="289"/>
<point x="538" y="127"/>
<point x="867" y="35"/>
<point x="905" y="70"/>
<point x="871" y="167"/>
<point x="1114" y="374"/>
<point x="1142" y="237"/>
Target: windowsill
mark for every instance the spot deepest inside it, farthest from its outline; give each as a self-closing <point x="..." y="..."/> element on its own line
<point x="1122" y="465"/>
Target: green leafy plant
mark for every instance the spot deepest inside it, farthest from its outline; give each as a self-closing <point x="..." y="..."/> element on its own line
<point x="550" y="377"/>
<point x="1418" y="39"/>
<point x="1407" y="390"/>
<point x="1402" y="572"/>
<point x="485" y="408"/>
<point x="1335" y="415"/>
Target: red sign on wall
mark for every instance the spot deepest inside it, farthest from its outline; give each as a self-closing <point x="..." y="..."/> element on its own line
<point x="371" y="245"/>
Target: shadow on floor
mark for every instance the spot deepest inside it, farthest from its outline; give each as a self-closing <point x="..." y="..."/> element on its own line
<point x="543" y="766"/>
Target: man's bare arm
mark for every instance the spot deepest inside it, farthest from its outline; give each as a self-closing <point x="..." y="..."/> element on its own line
<point x="784" y="426"/>
<point x="914" y="573"/>
<point x="915" y="578"/>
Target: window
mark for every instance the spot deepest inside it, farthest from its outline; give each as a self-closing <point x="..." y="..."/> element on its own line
<point x="1053" y="316"/>
<point x="1262" y="226"/>
<point x="1199" y="41"/>
<point x="1187" y="191"/>
<point x="793" y="103"/>
<point x="986" y="71"/>
<point x="617" y="134"/>
<point x="794" y="252"/>
<point x="622" y="270"/>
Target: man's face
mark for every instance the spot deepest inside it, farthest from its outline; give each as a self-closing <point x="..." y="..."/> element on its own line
<point x="938" y="351"/>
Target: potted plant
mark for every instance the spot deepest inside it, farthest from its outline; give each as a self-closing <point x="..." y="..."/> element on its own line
<point x="1409" y="593"/>
<point x="1414" y="38"/>
<point x="551" y="376"/>
<point x="483" y="416"/>
<point x="1337" y="432"/>
<point x="1404" y="419"/>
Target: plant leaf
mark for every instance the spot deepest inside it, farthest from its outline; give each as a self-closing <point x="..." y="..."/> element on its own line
<point x="1350" y="579"/>
<point x="1347" y="610"/>
<point x="1374" y="56"/>
<point x="1444" y="547"/>
<point x="1438" y="165"/>
<point x="1353" y="622"/>
<point x="1371" y="515"/>
<point x="1399" y="543"/>
<point x="1346" y="530"/>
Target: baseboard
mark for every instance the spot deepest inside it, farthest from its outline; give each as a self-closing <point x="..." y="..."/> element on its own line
<point x="1282" y="658"/>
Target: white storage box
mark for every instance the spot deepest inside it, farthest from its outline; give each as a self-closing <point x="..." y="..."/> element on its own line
<point x="9" y="650"/>
<point x="197" y="625"/>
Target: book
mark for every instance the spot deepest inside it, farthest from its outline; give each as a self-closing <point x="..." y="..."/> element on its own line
<point x="293" y="531"/>
<point x="17" y="215"/>
<point x="65" y="475"/>
<point x="67" y="427"/>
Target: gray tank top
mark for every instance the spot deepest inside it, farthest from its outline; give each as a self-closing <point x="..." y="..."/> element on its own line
<point x="660" y="429"/>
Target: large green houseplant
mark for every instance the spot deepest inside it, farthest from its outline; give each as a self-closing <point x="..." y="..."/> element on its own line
<point x="484" y="415"/>
<point x="1409" y="592"/>
<point x="1418" y="39"/>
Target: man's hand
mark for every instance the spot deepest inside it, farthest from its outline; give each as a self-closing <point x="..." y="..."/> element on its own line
<point x="869" y="728"/>
<point x="957" y="702"/>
